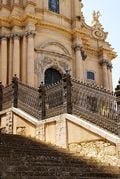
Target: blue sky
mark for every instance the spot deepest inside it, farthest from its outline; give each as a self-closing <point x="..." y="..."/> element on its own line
<point x="110" y="19"/>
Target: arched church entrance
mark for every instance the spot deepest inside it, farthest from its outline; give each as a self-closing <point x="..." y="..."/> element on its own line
<point x="52" y="76"/>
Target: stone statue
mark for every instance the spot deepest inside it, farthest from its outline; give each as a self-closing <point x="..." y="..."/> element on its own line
<point x="96" y="16"/>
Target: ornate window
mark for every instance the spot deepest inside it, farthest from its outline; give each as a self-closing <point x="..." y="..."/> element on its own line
<point x="52" y="76"/>
<point x="53" y="5"/>
<point x="90" y="75"/>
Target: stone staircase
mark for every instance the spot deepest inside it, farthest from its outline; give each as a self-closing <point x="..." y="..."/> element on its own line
<point x="23" y="158"/>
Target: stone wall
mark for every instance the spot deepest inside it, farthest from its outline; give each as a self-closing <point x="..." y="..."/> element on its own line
<point x="101" y="151"/>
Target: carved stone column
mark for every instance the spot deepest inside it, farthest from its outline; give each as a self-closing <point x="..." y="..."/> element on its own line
<point x="30" y="58"/>
<point x="16" y="55"/>
<point x="109" y="67"/>
<point x="4" y="60"/>
<point x="104" y="64"/>
<point x="79" y="63"/>
<point x="10" y="62"/>
<point x="24" y="60"/>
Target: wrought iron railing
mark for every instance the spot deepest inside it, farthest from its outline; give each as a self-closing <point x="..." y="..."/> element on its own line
<point x="88" y="101"/>
<point x="28" y="100"/>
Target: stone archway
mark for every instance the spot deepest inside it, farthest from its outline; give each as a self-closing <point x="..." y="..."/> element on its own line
<point x="52" y="76"/>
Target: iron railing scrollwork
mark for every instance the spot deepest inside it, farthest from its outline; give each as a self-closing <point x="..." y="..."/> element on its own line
<point x="88" y="101"/>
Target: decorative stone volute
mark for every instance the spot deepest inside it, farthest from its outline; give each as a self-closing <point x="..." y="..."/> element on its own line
<point x="98" y="30"/>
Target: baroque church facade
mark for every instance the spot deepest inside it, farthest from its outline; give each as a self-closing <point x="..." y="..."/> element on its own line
<point x="49" y="41"/>
<point x="40" y="40"/>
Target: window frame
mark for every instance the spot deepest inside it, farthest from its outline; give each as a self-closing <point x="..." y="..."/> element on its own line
<point x="57" y="8"/>
<point x="92" y="72"/>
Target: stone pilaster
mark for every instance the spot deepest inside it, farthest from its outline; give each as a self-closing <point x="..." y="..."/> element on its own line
<point x="77" y="6"/>
<point x="45" y="4"/>
<point x="104" y="64"/>
<point x="40" y="132"/>
<point x="30" y="58"/>
<point x="4" y="60"/>
<point x="79" y="63"/>
<point x="24" y="60"/>
<point x="61" y="133"/>
<point x="16" y="55"/>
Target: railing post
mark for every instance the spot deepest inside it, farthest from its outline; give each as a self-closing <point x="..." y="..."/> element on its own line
<point x="117" y="93"/>
<point x="42" y="96"/>
<point x="1" y="96"/>
<point x="15" y="89"/>
<point x="68" y="91"/>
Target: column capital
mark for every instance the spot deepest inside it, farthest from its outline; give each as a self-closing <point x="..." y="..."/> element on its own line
<point x="30" y="34"/>
<point x="80" y="48"/>
<point x="16" y="36"/>
<point x="109" y="65"/>
<point x="77" y="47"/>
<point x="104" y="62"/>
<point x="3" y="37"/>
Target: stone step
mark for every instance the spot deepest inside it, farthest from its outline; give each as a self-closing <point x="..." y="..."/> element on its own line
<point x="25" y="158"/>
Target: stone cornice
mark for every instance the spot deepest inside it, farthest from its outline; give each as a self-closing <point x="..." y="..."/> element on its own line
<point x="54" y="27"/>
<point x="18" y="20"/>
<point x="111" y="54"/>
